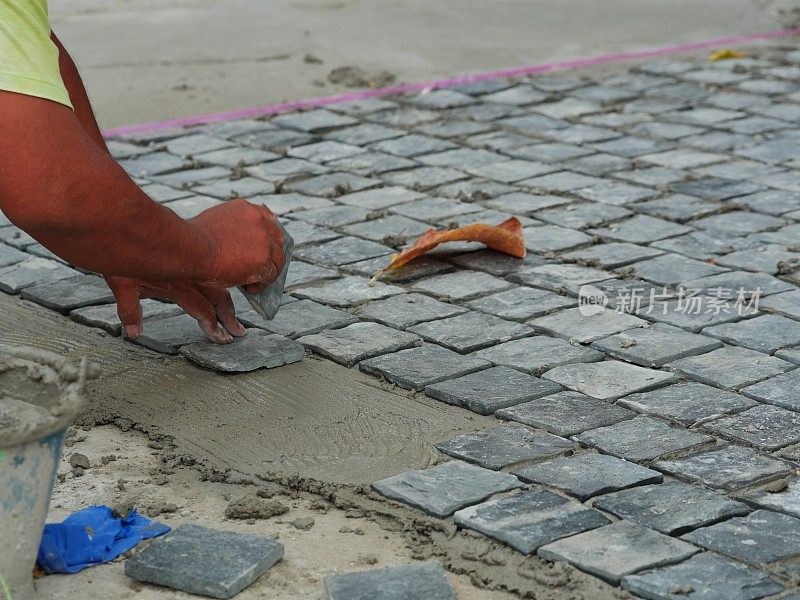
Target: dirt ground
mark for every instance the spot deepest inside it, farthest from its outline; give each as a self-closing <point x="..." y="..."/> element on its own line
<point x="146" y="60"/>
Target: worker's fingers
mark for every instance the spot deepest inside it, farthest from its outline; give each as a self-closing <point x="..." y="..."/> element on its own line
<point x="190" y="299"/>
<point x="128" y="307"/>
<point x="222" y="302"/>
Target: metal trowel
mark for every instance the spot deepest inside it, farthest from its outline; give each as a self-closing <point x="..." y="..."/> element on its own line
<point x="267" y="302"/>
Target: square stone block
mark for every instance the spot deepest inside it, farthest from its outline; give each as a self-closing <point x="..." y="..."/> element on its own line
<point x="462" y="285"/>
<point x="421" y="580"/>
<point x="589" y="474"/>
<point x="504" y="446"/>
<point x="780" y="390"/>
<point x="609" y="379"/>
<point x="257" y="350"/>
<point x="65" y="295"/>
<point x="347" y="291"/>
<point x="521" y="303"/>
<point x="538" y="354"/>
<point x="354" y="343"/>
<point x="765" y="427"/>
<point x="470" y="331"/>
<point x="530" y="519"/>
<point x="708" y="575"/>
<point x="300" y="318"/>
<point x="571" y="324"/>
<point x="761" y="537"/>
<point x="415" y="368"/>
<point x="726" y="468"/>
<point x="486" y="391"/>
<point x="730" y="367"/>
<point x="687" y="403"/>
<point x="643" y="439"/>
<point x="445" y="488"/>
<point x="766" y="333"/>
<point x="566" y="413"/>
<point x="672" y="507"/>
<point x="617" y="550"/>
<point x="405" y="310"/>
<point x="656" y="345"/>
<point x="222" y="564"/>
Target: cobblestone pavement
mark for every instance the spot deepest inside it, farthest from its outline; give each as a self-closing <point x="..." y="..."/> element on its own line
<point x="649" y="435"/>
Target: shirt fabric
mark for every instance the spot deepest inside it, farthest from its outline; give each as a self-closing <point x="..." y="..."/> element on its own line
<point x="28" y="57"/>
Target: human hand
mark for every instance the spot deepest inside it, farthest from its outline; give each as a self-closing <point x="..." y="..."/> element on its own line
<point x="211" y="306"/>
<point x="248" y="244"/>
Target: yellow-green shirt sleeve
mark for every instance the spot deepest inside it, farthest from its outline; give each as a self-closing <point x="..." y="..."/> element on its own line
<point x="28" y="57"/>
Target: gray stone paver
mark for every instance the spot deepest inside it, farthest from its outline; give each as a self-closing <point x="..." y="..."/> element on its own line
<point x="643" y="439"/>
<point x="655" y="345"/>
<point x="505" y="446"/>
<point x="530" y="519"/>
<point x="570" y="324"/>
<point x="105" y="316"/>
<point x="589" y="474"/>
<point x="687" y="403"/>
<point x="709" y="576"/>
<point x="766" y="333"/>
<point x="761" y="537"/>
<point x="619" y="549"/>
<point x="486" y="391"/>
<point x="671" y="507"/>
<point x="352" y="344"/>
<point x="765" y="427"/>
<point x="416" y="368"/>
<point x="257" y="350"/>
<point x="608" y="379"/>
<point x="405" y="310"/>
<point x="419" y="580"/>
<point x="209" y="572"/>
<point x="710" y="174"/>
<point x="538" y="354"/>
<point x="65" y="295"/>
<point x="725" y="468"/>
<point x="470" y="331"/>
<point x="731" y="367"/>
<point x="521" y="303"/>
<point x="446" y="488"/>
<point x="566" y="413"/>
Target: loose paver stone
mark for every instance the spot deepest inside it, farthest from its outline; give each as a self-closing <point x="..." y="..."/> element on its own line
<point x="420" y="581"/>
<point x="538" y="354"/>
<point x="687" y="403"/>
<point x="222" y="564"/>
<point x="730" y="367"/>
<point x="655" y="345"/>
<point x="257" y="350"/>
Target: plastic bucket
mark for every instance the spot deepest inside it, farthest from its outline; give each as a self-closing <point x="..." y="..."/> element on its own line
<point x="41" y="394"/>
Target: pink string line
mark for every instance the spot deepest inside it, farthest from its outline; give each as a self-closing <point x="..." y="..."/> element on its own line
<point x="548" y="67"/>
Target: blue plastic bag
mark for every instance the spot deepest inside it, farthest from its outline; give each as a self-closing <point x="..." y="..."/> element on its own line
<point x="92" y="536"/>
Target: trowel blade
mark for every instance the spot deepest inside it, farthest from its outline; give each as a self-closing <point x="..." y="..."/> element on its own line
<point x="267" y="302"/>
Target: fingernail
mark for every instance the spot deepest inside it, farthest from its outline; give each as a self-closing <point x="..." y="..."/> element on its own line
<point x="224" y="336"/>
<point x="133" y="331"/>
<point x="241" y="332"/>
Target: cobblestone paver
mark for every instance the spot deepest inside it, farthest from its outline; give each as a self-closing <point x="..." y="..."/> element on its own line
<point x="655" y="321"/>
